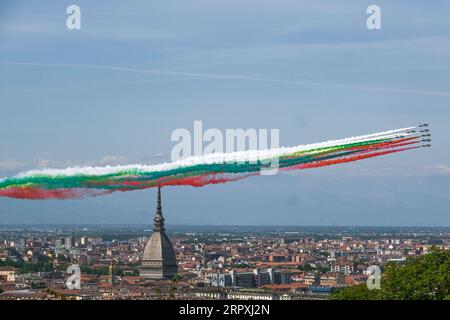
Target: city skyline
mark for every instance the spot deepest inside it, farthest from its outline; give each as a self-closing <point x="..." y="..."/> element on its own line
<point x="213" y="263"/>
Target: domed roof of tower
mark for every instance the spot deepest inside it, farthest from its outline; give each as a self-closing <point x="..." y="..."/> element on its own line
<point x="159" y="248"/>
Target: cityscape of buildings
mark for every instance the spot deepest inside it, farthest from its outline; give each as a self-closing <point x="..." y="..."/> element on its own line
<point x="213" y="262"/>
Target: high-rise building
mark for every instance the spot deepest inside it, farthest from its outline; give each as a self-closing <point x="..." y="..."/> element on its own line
<point x="159" y="261"/>
<point x="68" y="242"/>
<point x="84" y="241"/>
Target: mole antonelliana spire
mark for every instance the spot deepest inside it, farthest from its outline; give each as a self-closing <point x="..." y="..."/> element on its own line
<point x="158" y="220"/>
<point x="159" y="261"/>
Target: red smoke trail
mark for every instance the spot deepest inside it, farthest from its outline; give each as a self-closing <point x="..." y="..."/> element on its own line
<point x="371" y="150"/>
<point x="388" y="144"/>
<point x="324" y="163"/>
<point x="194" y="181"/>
<point x="380" y="145"/>
<point x="205" y="179"/>
<point x="42" y="194"/>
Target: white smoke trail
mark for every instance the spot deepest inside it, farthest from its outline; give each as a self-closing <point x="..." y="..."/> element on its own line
<point x="215" y="158"/>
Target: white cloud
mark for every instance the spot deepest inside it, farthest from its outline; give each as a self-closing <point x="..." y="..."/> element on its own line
<point x="443" y="168"/>
<point x="109" y="160"/>
<point x="9" y="165"/>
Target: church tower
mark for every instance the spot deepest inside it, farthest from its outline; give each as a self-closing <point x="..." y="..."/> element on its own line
<point x="159" y="261"/>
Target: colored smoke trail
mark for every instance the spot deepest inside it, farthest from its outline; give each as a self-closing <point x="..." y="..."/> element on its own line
<point x="79" y="182"/>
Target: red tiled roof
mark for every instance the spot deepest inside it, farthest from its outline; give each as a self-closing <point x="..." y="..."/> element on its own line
<point x="68" y="291"/>
<point x="286" y="286"/>
<point x="104" y="285"/>
<point x="278" y="264"/>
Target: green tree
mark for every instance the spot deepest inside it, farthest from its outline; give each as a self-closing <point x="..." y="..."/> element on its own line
<point x="306" y="267"/>
<point x="176" y="278"/>
<point x="423" y="278"/>
<point x="159" y="293"/>
<point x="358" y="292"/>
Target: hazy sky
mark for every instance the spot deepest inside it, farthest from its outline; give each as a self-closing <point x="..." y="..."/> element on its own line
<point x="113" y="92"/>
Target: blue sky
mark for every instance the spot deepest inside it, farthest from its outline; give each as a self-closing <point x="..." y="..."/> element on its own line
<point x="91" y="97"/>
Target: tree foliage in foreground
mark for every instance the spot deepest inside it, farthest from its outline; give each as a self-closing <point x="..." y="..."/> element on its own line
<point x="424" y="278"/>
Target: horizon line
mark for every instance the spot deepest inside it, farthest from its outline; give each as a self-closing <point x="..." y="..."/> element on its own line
<point x="218" y="225"/>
